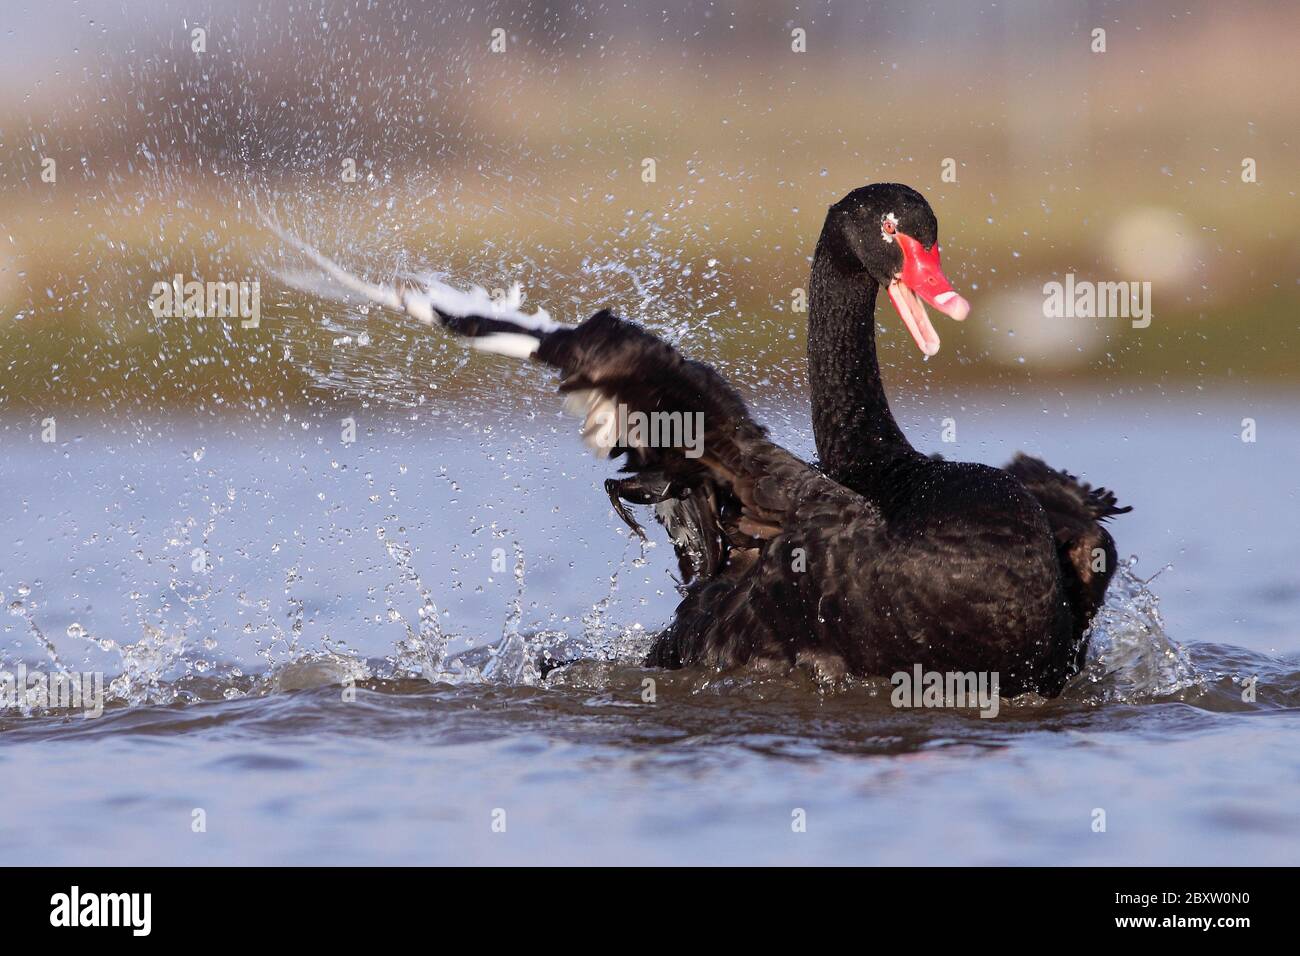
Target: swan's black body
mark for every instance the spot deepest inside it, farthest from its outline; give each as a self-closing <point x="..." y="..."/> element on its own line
<point x="875" y="561"/>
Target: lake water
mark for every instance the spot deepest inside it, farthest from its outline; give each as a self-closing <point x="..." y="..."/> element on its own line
<point x="229" y="576"/>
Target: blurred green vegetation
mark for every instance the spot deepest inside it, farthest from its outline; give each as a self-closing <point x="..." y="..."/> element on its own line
<point x="1126" y="166"/>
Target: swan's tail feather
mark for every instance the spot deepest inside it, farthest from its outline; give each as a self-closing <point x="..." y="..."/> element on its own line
<point x="1063" y="494"/>
<point x="491" y="324"/>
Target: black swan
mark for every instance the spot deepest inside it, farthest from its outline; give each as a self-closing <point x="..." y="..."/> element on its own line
<point x="976" y="517"/>
<point x="875" y="561"/>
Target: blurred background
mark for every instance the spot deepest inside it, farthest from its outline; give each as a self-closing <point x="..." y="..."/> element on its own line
<point x="528" y="163"/>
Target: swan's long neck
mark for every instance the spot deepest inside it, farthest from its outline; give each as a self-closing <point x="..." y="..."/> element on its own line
<point x="857" y="438"/>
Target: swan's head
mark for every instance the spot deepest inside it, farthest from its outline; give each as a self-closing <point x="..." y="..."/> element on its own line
<point x="889" y="232"/>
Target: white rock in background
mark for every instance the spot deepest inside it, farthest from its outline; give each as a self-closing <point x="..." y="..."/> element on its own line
<point x="1150" y="244"/>
<point x="1015" y="331"/>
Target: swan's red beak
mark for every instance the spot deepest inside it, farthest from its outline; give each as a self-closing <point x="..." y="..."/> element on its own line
<point x="921" y="277"/>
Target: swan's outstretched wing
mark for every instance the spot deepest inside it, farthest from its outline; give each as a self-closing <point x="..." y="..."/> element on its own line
<point x="1075" y="511"/>
<point x="691" y="448"/>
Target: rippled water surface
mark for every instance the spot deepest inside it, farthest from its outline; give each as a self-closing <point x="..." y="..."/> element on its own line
<point x="330" y="649"/>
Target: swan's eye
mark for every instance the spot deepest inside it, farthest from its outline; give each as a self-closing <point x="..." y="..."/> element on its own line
<point x="888" y="227"/>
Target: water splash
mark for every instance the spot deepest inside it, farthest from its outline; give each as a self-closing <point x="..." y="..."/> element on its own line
<point x="423" y="651"/>
<point x="149" y="668"/>
<point x="513" y="659"/>
<point x="1132" y="660"/>
<point x="24" y="605"/>
<point x="1130" y="657"/>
